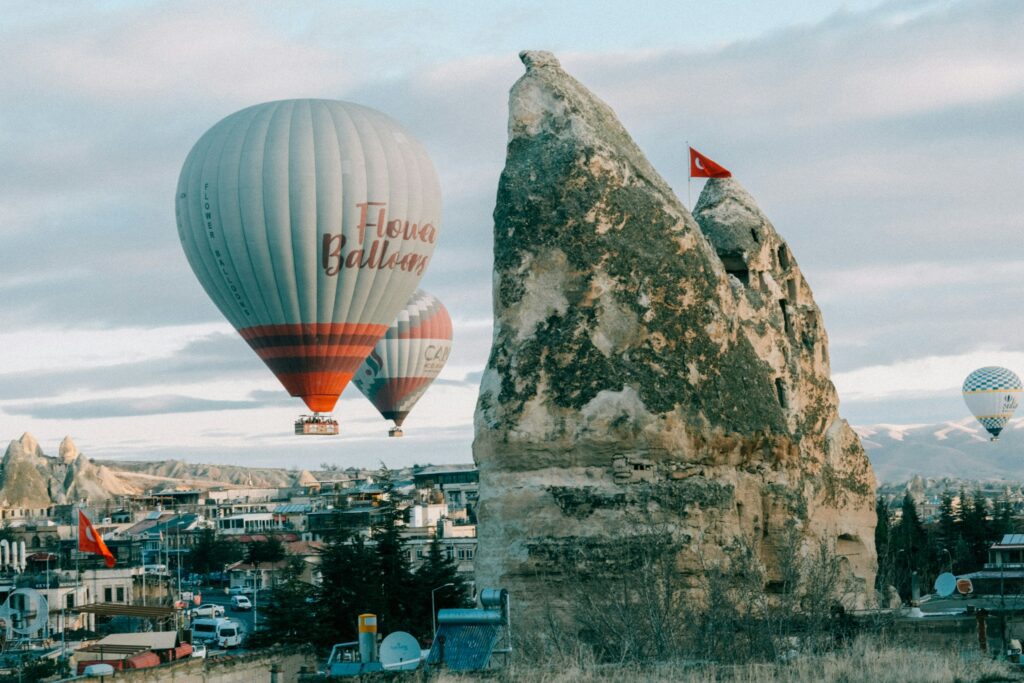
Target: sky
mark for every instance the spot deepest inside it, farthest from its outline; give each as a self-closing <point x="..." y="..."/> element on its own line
<point x="883" y="140"/>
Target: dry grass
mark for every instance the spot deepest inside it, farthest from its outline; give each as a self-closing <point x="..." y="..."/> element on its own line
<point x="866" y="660"/>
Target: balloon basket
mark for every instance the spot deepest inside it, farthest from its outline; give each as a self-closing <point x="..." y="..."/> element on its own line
<point x="396" y="432"/>
<point x="316" y="425"/>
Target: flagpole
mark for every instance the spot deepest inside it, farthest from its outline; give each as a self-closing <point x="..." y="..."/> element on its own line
<point x="689" y="179"/>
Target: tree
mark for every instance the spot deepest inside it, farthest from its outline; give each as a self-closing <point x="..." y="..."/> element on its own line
<point x="263" y="552"/>
<point x="910" y="546"/>
<point x="438" y="569"/>
<point x="883" y="545"/>
<point x="284" y="617"/>
<point x="393" y="566"/>
<point x="977" y="530"/>
<point x="210" y="554"/>
<point x="349" y="586"/>
<point x="1003" y="517"/>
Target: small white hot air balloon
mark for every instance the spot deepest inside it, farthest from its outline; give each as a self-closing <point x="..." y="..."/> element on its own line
<point x="992" y="393"/>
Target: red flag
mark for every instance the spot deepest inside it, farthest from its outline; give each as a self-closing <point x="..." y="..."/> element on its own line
<point x="702" y="167"/>
<point x="89" y="540"/>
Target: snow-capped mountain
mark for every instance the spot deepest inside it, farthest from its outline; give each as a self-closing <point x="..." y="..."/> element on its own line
<point x="960" y="449"/>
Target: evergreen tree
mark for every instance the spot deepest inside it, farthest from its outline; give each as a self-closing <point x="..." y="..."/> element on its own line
<point x="439" y="571"/>
<point x="911" y="546"/>
<point x="259" y="553"/>
<point x="285" y="615"/>
<point x="977" y="531"/>
<point x="1003" y="518"/>
<point x="883" y="531"/>
<point x="210" y="554"/>
<point x="949" y="521"/>
<point x="397" y="588"/>
<point x="349" y="586"/>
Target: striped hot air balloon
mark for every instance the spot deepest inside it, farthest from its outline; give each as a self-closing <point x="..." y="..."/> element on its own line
<point x="992" y="394"/>
<point x="309" y="224"/>
<point x="407" y="359"/>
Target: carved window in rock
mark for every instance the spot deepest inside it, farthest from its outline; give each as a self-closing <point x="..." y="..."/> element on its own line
<point x="782" y="255"/>
<point x="736" y="265"/>
<point x="783" y="394"/>
<point x="787" y="324"/>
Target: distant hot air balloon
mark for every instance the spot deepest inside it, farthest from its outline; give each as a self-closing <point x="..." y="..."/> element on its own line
<point x="407" y="359"/>
<point x="309" y="224"/>
<point x="992" y="394"/>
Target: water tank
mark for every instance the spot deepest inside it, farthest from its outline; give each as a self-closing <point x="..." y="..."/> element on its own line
<point x="493" y="598"/>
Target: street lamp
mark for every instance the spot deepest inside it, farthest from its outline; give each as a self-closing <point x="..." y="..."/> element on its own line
<point x="950" y="556"/>
<point x="433" y="610"/>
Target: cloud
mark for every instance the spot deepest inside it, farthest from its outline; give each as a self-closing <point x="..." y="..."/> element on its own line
<point x="920" y="377"/>
<point x="103" y="408"/>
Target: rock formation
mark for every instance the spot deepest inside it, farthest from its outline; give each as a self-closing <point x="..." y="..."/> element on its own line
<point x="30" y="479"/>
<point x="647" y="364"/>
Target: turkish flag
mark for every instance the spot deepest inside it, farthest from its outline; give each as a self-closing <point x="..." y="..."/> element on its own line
<point x="702" y="167"/>
<point x="89" y="540"/>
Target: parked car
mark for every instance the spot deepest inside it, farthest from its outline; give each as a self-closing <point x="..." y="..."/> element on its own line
<point x="207" y="610"/>
<point x="240" y="590"/>
<point x="222" y="633"/>
<point x="240" y="603"/>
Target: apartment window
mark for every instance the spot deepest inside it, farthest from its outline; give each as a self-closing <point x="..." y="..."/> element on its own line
<point x="120" y="594"/>
<point x="108" y="594"/>
<point x="69" y="601"/>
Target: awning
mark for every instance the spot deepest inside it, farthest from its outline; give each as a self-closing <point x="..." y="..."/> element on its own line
<point x="110" y="649"/>
<point x="116" y="609"/>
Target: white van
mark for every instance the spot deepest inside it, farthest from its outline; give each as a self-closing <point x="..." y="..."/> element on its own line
<point x="223" y="633"/>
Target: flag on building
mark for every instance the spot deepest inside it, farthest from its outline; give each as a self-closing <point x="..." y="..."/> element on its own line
<point x="702" y="167"/>
<point x="90" y="541"/>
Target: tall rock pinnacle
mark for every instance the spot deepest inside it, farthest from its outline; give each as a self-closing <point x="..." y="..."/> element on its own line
<point x="646" y="364"/>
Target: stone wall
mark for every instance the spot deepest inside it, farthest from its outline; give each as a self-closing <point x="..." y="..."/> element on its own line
<point x="248" y="668"/>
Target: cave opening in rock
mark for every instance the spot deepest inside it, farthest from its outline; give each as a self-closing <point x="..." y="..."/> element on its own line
<point x="783" y="256"/>
<point x="786" y="324"/>
<point x="780" y="389"/>
<point x="736" y="265"/>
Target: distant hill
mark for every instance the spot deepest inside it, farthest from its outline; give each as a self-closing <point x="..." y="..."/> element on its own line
<point x="31" y="479"/>
<point x="960" y="450"/>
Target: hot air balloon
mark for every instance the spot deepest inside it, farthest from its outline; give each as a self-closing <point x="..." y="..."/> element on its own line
<point x="309" y="223"/>
<point x="407" y="359"/>
<point x="992" y="394"/>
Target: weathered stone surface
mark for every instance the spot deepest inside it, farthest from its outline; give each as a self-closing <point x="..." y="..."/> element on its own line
<point x="646" y="365"/>
<point x="30" y="479"/>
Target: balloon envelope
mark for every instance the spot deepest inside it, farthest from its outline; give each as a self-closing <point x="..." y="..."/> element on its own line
<point x="309" y="223"/>
<point x="992" y="394"/>
<point x="407" y="359"/>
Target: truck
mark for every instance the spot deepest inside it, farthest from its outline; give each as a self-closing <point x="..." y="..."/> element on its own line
<point x="216" y="631"/>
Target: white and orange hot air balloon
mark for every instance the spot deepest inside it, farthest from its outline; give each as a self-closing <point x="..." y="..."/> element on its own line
<point x="309" y="224"/>
<point x="407" y="359"/>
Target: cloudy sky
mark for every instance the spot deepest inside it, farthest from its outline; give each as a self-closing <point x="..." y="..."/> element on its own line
<point x="883" y="139"/>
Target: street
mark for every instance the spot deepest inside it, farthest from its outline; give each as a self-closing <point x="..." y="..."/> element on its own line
<point x="213" y="596"/>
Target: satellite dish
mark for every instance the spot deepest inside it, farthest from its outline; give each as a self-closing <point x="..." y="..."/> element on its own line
<point x="964" y="586"/>
<point x="945" y="585"/>
<point x="400" y="652"/>
<point x="25" y="612"/>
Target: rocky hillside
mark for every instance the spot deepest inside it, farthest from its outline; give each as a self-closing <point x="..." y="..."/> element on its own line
<point x="647" y="364"/>
<point x="31" y="479"/>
